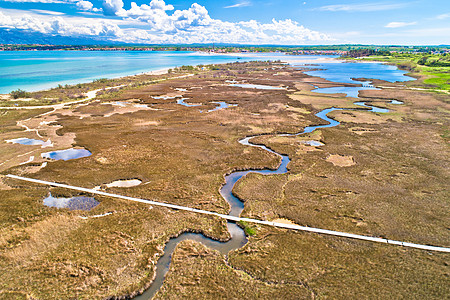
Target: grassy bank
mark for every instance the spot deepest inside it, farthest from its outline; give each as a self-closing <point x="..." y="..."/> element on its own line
<point x="434" y="69"/>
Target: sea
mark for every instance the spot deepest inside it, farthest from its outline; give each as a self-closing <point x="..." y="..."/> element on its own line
<point x="39" y="70"/>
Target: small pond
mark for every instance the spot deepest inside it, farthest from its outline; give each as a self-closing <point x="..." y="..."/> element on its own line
<point x="26" y="141"/>
<point x="396" y="102"/>
<point x="313" y="143"/>
<point x="72" y="203"/>
<point x="66" y="154"/>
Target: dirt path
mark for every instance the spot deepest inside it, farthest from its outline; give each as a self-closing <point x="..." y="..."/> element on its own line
<point x="89" y="96"/>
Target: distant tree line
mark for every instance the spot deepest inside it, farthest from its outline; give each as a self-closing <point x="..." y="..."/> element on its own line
<point x="366" y="52"/>
<point x="430" y="61"/>
<point x="377" y="49"/>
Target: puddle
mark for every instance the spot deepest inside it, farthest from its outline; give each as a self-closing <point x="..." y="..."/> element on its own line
<point x="72" y="203"/>
<point x="66" y="154"/>
<point x="141" y="105"/>
<point x="313" y="143"/>
<point x="124" y="183"/>
<point x="257" y="86"/>
<point x="396" y="102"/>
<point x="26" y="141"/>
<point x="222" y="105"/>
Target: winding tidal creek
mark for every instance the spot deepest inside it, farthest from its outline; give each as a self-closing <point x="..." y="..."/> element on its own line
<point x="334" y="72"/>
<point x="238" y="238"/>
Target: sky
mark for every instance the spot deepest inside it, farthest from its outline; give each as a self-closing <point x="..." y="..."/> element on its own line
<point x="258" y="22"/>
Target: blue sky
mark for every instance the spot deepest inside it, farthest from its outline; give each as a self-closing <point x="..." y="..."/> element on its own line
<point x="290" y="22"/>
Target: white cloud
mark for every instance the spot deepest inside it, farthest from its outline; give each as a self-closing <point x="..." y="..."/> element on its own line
<point x="112" y="7"/>
<point x="443" y="16"/>
<point x="41" y="1"/>
<point x="158" y="22"/>
<point x="399" y="24"/>
<point x="363" y="7"/>
<point x="87" y="6"/>
<point x="160" y="4"/>
<point x="194" y="25"/>
<point x="48" y="12"/>
<point x="239" y="4"/>
<point x="61" y="26"/>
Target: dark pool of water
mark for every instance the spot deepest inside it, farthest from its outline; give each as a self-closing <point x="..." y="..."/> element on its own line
<point x="72" y="203"/>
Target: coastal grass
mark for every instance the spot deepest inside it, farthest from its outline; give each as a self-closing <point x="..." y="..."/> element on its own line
<point x="434" y="68"/>
<point x="341" y="268"/>
<point x="195" y="267"/>
<point x="397" y="189"/>
<point x="180" y="154"/>
<point x="9" y="118"/>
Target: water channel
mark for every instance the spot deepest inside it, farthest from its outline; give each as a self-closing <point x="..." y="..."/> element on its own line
<point x="238" y="238"/>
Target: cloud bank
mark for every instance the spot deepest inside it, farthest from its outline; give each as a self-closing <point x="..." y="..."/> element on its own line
<point x="159" y="22"/>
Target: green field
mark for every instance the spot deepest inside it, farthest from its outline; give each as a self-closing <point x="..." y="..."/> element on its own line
<point x="434" y="67"/>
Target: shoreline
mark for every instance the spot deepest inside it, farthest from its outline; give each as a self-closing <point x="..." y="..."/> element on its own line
<point x="161" y="71"/>
<point x="153" y="72"/>
<point x="158" y="71"/>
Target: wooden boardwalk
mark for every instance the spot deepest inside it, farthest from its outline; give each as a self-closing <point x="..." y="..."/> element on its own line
<point x="237" y="219"/>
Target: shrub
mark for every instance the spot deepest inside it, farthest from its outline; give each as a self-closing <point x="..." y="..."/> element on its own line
<point x="100" y="80"/>
<point x="19" y="94"/>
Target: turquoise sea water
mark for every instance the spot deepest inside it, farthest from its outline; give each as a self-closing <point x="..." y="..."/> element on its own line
<point x="38" y="70"/>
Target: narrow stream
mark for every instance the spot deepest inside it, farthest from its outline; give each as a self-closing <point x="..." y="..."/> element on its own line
<point x="238" y="238"/>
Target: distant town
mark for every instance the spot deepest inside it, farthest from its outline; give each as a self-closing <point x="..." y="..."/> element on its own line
<point x="341" y="50"/>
